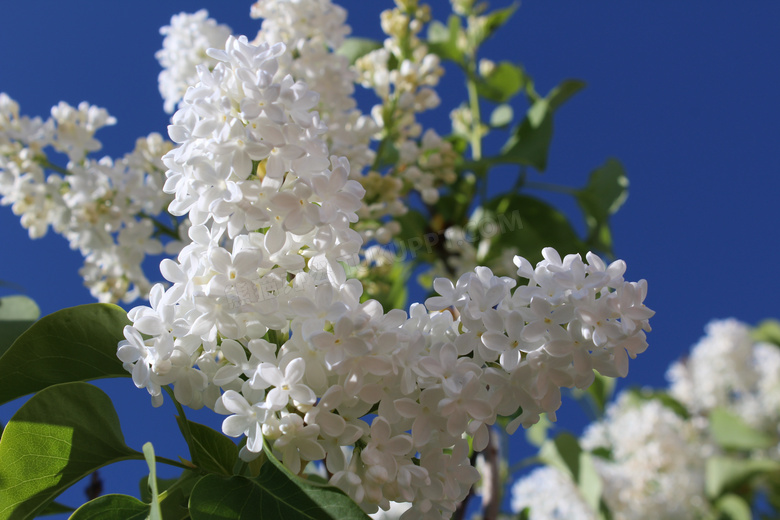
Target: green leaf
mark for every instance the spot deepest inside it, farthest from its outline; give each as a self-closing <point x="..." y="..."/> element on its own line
<point x="564" y="453"/>
<point x="174" y="494"/>
<point x="724" y="473"/>
<point x="537" y="433"/>
<point x="524" y="223"/>
<point x="498" y="18"/>
<point x="734" y="507"/>
<point x="488" y="24"/>
<point x="531" y="140"/>
<point x="415" y="240"/>
<point x="210" y="450"/>
<point x="768" y="331"/>
<point x="155" y="513"/>
<point x="275" y="491"/>
<point x="112" y="507"/>
<point x="502" y="83"/>
<point x="17" y="314"/>
<point x="601" y="391"/>
<point x="443" y="40"/>
<point x="642" y="394"/>
<point x="75" y="344"/>
<point x="606" y="191"/>
<point x="55" y="508"/>
<point x="501" y="116"/>
<point x="354" y="48"/>
<point x="731" y="432"/>
<point x="61" y="435"/>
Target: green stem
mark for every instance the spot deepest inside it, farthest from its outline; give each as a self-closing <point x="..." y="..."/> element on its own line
<point x="185" y="425"/>
<point x="161" y="229"/>
<point x="171" y="462"/>
<point x="476" y="121"/>
<point x="44" y="161"/>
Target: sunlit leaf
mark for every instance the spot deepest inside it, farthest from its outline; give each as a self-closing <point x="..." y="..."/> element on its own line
<point x="61" y="435"/>
<point x="17" y="314"/>
<point x="724" y="473"/>
<point x="354" y="48"/>
<point x="502" y="83"/>
<point x="731" y="432"/>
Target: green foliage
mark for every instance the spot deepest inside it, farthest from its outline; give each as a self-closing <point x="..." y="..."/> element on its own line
<point x="62" y="434"/>
<point x="734" y="507"/>
<point x="17" y="314"/>
<point x="174" y="494"/>
<point x="606" y="191"/>
<point x="75" y="344"/>
<point x="530" y="143"/>
<point x="443" y="39"/>
<point x="564" y="453"/>
<point x="112" y="507"/>
<point x="503" y="82"/>
<point x="276" y="492"/>
<point x="725" y="473"/>
<point x="731" y="432"/>
<point x="502" y="116"/>
<point x="768" y="331"/>
<point x="525" y="223"/>
<point x="354" y="48"/>
<point x="155" y="513"/>
<point x="210" y="450"/>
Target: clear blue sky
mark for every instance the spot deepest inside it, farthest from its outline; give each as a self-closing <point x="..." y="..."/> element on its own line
<point x="683" y="93"/>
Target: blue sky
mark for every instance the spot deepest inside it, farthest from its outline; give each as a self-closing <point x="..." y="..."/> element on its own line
<point x="682" y="93"/>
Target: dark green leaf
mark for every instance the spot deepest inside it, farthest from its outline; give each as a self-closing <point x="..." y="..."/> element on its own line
<point x="501" y="116"/>
<point x="563" y="92"/>
<point x="502" y="83"/>
<point x="17" y="314"/>
<point x="531" y="140"/>
<point x="415" y="241"/>
<point x="55" y="508"/>
<point x="498" y="18"/>
<point x="601" y="391"/>
<point x="174" y="494"/>
<point x="606" y="191"/>
<point x="524" y="223"/>
<point x="564" y="453"/>
<point x="112" y="507"/>
<point x="276" y="492"/>
<point x="210" y="450"/>
<point x="724" y="473"/>
<point x="768" y="331"/>
<point x="61" y="435"/>
<point x="665" y="399"/>
<point x="75" y="344"/>
<point x="731" y="432"/>
<point x="354" y="48"/>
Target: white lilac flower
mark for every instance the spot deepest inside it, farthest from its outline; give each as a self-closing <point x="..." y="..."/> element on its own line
<point x="262" y="309"/>
<point x="184" y="48"/>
